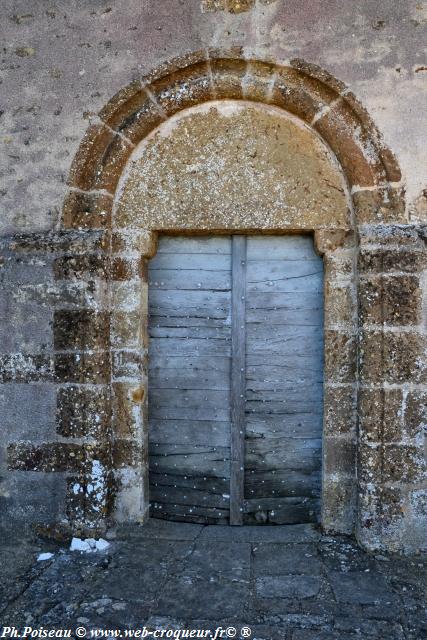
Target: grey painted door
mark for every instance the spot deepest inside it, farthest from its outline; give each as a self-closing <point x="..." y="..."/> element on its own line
<point x="235" y="379"/>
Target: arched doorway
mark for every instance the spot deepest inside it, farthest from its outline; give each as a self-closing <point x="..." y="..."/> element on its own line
<point x="97" y="201"/>
<point x="245" y="168"/>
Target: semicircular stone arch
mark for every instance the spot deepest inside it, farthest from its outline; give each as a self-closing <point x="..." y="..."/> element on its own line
<point x="301" y="89"/>
<point x="214" y="142"/>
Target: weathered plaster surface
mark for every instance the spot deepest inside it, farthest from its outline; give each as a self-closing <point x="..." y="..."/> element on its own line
<point x="63" y="60"/>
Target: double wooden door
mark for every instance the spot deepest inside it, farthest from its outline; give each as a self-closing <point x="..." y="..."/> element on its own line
<point x="235" y="379"/>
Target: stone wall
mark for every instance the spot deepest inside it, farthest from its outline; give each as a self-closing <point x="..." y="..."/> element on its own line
<point x="74" y="292"/>
<point x="393" y="376"/>
<point x="63" y="61"/>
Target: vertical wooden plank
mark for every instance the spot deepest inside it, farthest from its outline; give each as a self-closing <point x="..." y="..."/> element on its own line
<point x="189" y="379"/>
<point x="238" y="347"/>
<point x="284" y="380"/>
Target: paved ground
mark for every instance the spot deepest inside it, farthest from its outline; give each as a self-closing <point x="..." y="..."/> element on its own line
<point x="286" y="583"/>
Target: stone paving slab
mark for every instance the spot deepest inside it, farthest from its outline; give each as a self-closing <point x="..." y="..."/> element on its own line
<point x="282" y="582"/>
<point x="15" y="567"/>
<point x="291" y="534"/>
<point x="143" y="553"/>
<point x="291" y="587"/>
<point x="161" y="530"/>
<point x="281" y="559"/>
<point x="215" y="598"/>
<point x="231" y="561"/>
<point x="357" y="587"/>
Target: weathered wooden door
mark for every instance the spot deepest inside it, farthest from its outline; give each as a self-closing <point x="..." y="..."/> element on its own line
<point x="235" y="379"/>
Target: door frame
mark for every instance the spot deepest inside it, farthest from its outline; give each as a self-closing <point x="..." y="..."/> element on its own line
<point x="338" y="249"/>
<point x="238" y="381"/>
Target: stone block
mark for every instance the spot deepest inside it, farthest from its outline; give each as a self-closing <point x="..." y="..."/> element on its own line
<point x="392" y="415"/>
<point x="388" y="160"/>
<point x="86" y="210"/>
<point x="135" y="242"/>
<point x="390" y="300"/>
<point x="404" y="464"/>
<point x="85" y="166"/>
<point x="132" y="502"/>
<point x="243" y="139"/>
<point x="393" y="357"/>
<point x="83" y="412"/>
<point x="383" y="260"/>
<point x="126" y="295"/>
<point x="319" y="74"/>
<point x="127" y="400"/>
<point x="381" y="414"/>
<point x="415" y="415"/>
<point x="20" y="367"/>
<point x="129" y="364"/>
<point x="82" y="293"/>
<point x="239" y="6"/>
<point x="384" y="204"/>
<point x="36" y="249"/>
<point x="339" y="495"/>
<point x="418" y="502"/>
<point x="81" y="266"/>
<point x="29" y="499"/>
<point x="340" y="356"/>
<point x="339" y="264"/>
<point x="390" y="463"/>
<point x="258" y="81"/>
<point x="81" y="330"/>
<point x="213" y="5"/>
<point x="186" y="88"/>
<point x="127" y="453"/>
<point x="122" y="269"/>
<point x="147" y="244"/>
<point x="302" y="95"/>
<point x="339" y="410"/>
<point x="228" y="78"/>
<point x="127" y="269"/>
<point x="126" y="329"/>
<point x="18" y="270"/>
<point x="275" y="559"/>
<point x="300" y="587"/>
<point x="352" y="145"/>
<point x="340" y="305"/>
<point x="25" y="319"/>
<point x="48" y="457"/>
<point x="83" y="368"/>
<point x="339" y="456"/>
<point x="87" y="502"/>
<point x="100" y="160"/>
<point x="379" y="506"/>
<point x="174" y="65"/>
<point x="370" y="463"/>
<point x="328" y="241"/>
<point x="358" y="587"/>
<point x="132" y="113"/>
<point x="395" y="236"/>
<point x="113" y="163"/>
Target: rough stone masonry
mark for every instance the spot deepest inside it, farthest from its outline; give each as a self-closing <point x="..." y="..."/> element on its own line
<point x="103" y="105"/>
